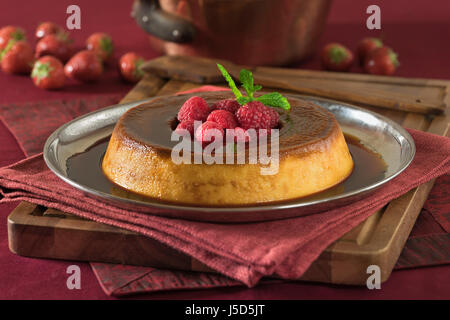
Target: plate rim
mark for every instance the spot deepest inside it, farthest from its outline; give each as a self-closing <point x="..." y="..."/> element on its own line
<point x="259" y="207"/>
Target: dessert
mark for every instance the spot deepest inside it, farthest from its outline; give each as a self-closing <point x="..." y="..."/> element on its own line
<point x="313" y="156"/>
<point x="292" y="150"/>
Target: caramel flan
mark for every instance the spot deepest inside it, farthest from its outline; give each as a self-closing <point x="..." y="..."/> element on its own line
<point x="313" y="156"/>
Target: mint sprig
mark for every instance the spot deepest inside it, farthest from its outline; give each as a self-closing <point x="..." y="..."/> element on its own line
<point x="230" y="81"/>
<point x="273" y="99"/>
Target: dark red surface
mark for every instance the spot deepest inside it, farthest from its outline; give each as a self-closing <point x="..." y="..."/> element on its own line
<point x="417" y="30"/>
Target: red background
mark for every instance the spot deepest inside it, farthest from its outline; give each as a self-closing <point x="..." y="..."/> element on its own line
<point x="418" y="30"/>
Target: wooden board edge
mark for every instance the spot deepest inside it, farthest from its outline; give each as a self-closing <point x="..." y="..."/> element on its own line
<point x="380" y="251"/>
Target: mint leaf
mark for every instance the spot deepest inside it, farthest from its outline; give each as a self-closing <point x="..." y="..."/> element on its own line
<point x="230" y="81"/>
<point x="243" y="100"/>
<point x="274" y="99"/>
<point x="246" y="78"/>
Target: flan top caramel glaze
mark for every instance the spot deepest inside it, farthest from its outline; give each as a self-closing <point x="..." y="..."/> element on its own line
<point x="313" y="156"/>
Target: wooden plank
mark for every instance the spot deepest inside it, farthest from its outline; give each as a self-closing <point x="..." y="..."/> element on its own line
<point x="385" y="238"/>
<point x="71" y="239"/>
<point x="360" y="77"/>
<point x="412" y="95"/>
<point x="405" y="97"/>
<point x="147" y="87"/>
<point x="190" y="69"/>
<point x="174" y="86"/>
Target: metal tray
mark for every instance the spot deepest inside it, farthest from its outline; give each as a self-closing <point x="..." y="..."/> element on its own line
<point x="376" y="132"/>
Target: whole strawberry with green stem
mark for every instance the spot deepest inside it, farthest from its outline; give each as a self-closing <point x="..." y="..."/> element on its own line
<point x="381" y="61"/>
<point x="336" y="57"/>
<point x="46" y="28"/>
<point x="10" y="33"/>
<point x="129" y="67"/>
<point x="48" y="73"/>
<point x="367" y="45"/>
<point x="102" y="44"/>
<point x="85" y="66"/>
<point x="57" y="45"/>
<point x="17" y="57"/>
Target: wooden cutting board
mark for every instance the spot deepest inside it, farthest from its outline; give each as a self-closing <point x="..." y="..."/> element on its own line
<point x="36" y="231"/>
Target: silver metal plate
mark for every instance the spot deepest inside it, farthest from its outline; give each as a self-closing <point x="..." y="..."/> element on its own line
<point x="376" y="132"/>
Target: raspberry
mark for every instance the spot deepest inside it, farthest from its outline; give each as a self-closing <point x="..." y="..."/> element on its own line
<point x="205" y="132"/>
<point x="195" y="108"/>
<point x="187" y="125"/>
<point x="275" y="117"/>
<point x="257" y="116"/>
<point x="227" y="104"/>
<point x="225" y="119"/>
<point x="241" y="135"/>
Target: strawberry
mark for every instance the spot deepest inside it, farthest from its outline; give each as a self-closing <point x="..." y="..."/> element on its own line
<point x="366" y="46"/>
<point x="129" y="67"/>
<point x="57" y="45"/>
<point x="48" y="73"/>
<point x="336" y="57"/>
<point x="102" y="44"/>
<point x="17" y="57"/>
<point x="46" y="28"/>
<point x="84" y="66"/>
<point x="10" y="33"/>
<point x="381" y="61"/>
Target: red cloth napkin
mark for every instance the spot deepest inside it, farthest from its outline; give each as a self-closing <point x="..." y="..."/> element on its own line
<point x="245" y="252"/>
<point x="31" y="123"/>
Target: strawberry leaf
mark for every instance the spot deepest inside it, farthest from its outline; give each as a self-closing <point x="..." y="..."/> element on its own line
<point x="138" y="73"/>
<point x="18" y="35"/>
<point x="337" y="54"/>
<point x="106" y="44"/>
<point x="10" y="44"/>
<point x="394" y="58"/>
<point x="41" y="71"/>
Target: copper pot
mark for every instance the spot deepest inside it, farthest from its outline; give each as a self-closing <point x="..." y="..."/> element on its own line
<point x="249" y="32"/>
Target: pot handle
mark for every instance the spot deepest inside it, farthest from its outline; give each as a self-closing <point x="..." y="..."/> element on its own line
<point x="166" y="26"/>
